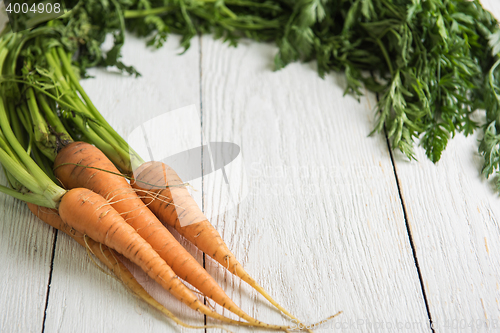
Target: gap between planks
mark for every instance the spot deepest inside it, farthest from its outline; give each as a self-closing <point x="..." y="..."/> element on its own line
<point x="408" y="229"/>
<point x="201" y="145"/>
<point x="53" y="255"/>
<point x="410" y="236"/>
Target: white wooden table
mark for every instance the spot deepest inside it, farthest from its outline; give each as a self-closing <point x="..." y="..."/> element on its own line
<point x="332" y="221"/>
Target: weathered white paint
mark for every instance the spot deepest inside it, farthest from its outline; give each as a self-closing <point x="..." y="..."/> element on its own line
<point x="25" y="256"/>
<point x="322" y="227"/>
<point x="83" y="299"/>
<point x="453" y="216"/>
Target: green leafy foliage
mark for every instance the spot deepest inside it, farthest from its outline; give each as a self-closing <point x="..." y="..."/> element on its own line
<point x="433" y="63"/>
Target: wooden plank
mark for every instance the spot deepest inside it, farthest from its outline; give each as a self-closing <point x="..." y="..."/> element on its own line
<point x="25" y="254"/>
<point x="26" y="246"/>
<point x="322" y="226"/>
<point x="453" y="215"/>
<point x="83" y="299"/>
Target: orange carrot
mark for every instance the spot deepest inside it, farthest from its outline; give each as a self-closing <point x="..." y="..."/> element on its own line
<point x="75" y="167"/>
<point x="106" y="256"/>
<point x="164" y="193"/>
<point x="89" y="213"/>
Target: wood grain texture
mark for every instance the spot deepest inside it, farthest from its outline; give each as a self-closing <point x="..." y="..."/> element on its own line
<point x="322" y="227"/>
<point x="454" y="219"/>
<point x="83" y="299"/>
<point x="25" y="257"/>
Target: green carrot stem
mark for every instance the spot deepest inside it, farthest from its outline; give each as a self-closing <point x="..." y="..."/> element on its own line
<point x="3" y="52"/>
<point x="94" y="138"/>
<point x="25" y="117"/>
<point x="42" y="135"/>
<point x="122" y="154"/>
<point x="6" y="147"/>
<point x="44" y="163"/>
<point x="130" y="159"/>
<point x="38" y="181"/>
<point x="69" y="103"/>
<point x="57" y="71"/>
<point x="53" y="119"/>
<point x="105" y="131"/>
<point x="22" y="118"/>
<point x="129" y="14"/>
<point x="33" y="198"/>
<point x="13" y="182"/>
<point x="65" y="89"/>
<point x="16" y="126"/>
<point x="20" y="173"/>
<point x="122" y="144"/>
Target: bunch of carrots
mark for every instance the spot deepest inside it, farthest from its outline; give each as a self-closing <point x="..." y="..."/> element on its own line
<point x="80" y="176"/>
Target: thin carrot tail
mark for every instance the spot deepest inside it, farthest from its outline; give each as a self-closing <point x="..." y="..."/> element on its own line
<point x="255" y="323"/>
<point x="235" y="267"/>
<point x="228" y="304"/>
<point x="90" y="214"/>
<point x="261" y="291"/>
<point x="165" y="194"/>
<point x="106" y="256"/>
<point x="80" y="164"/>
<point x="242" y="274"/>
<point x="325" y="320"/>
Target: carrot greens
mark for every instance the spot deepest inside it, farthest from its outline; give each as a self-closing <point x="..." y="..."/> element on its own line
<point x="102" y="206"/>
<point x="433" y="63"/>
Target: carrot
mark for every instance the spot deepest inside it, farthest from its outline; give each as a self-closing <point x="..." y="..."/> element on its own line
<point x="89" y="213"/>
<point x="106" y="256"/>
<point x="75" y="167"/>
<point x="164" y="193"/>
<point x="85" y="211"/>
